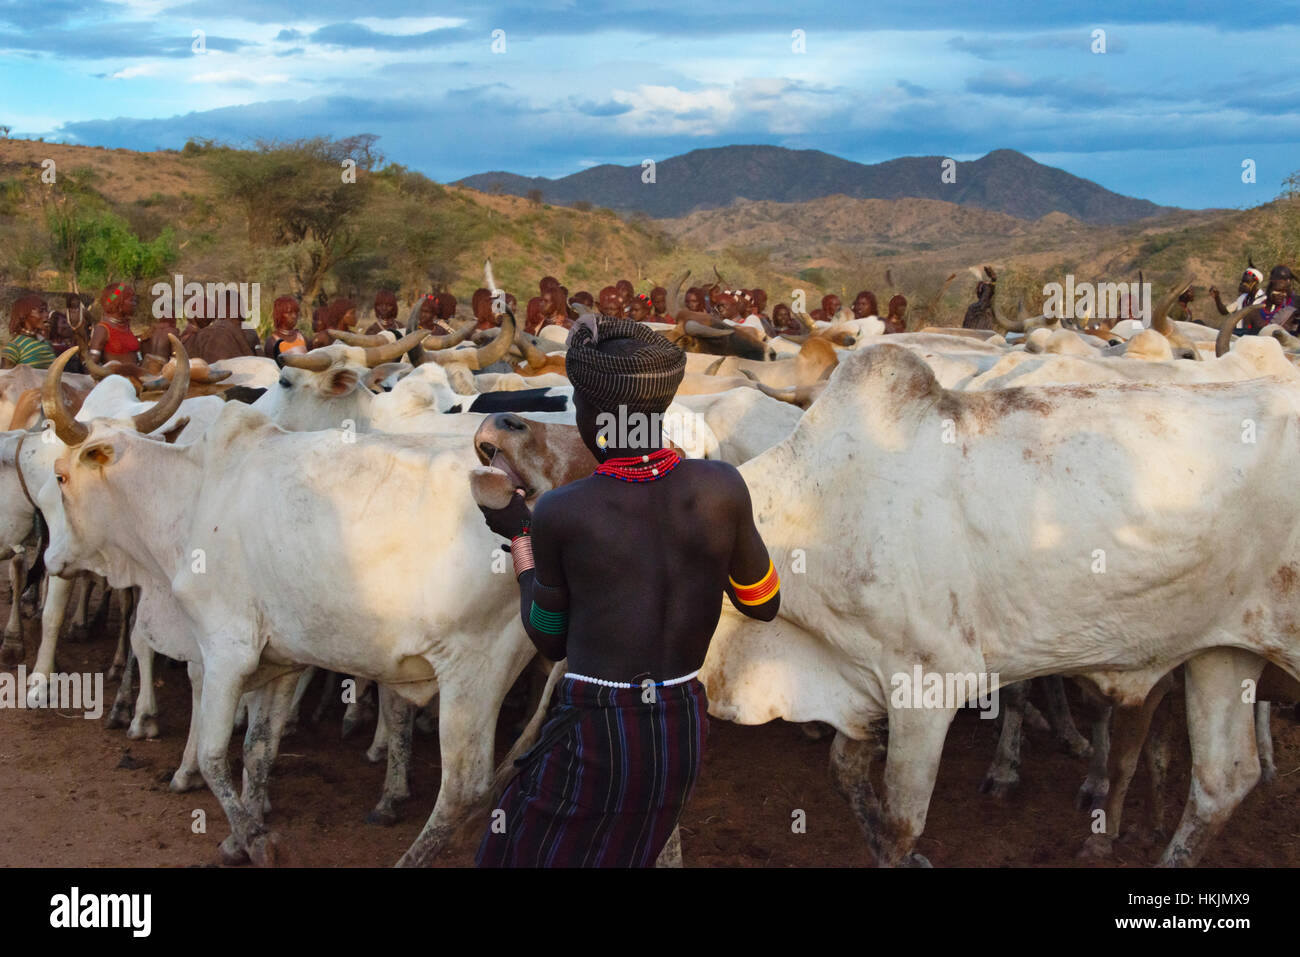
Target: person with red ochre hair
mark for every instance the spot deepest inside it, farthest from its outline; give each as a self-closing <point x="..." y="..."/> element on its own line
<point x="112" y="339"/>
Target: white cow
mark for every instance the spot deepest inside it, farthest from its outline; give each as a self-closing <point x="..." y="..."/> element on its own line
<point x="947" y="531"/>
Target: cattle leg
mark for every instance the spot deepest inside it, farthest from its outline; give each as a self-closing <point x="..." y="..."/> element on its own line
<point x="916" y="739"/>
<point x="397" y="715"/>
<point x="1156" y="756"/>
<point x="77" y="631"/>
<point x="327" y="694"/>
<point x="1096" y="785"/>
<point x="56" y="603"/>
<point x="299" y="691"/>
<point x="1264" y="741"/>
<point x="1128" y="732"/>
<point x="127" y="600"/>
<point x="1004" y="773"/>
<point x="222" y="687"/>
<point x="187" y="777"/>
<point x="11" y="650"/>
<point x="268" y="709"/>
<point x="379" y="742"/>
<point x="1060" y="720"/>
<point x="468" y="707"/>
<point x="358" y="709"/>
<point x="1225" y="765"/>
<point x="145" y="722"/>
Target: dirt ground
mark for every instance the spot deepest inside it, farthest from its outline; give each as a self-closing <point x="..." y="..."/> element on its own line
<point x="75" y="793"/>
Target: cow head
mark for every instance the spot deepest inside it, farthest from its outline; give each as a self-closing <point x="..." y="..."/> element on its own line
<point x="77" y="501"/>
<point x="537" y="456"/>
<point x="325" y="388"/>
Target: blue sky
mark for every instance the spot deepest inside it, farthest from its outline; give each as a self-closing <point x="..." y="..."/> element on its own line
<point x="1184" y="93"/>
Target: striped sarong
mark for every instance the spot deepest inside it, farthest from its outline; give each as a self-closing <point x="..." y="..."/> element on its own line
<point x="606" y="782"/>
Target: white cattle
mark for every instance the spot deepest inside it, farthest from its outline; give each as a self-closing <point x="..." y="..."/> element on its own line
<point x="947" y="531"/>
<point x="382" y="614"/>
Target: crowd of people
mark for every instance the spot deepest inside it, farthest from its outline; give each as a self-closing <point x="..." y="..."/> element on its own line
<point x="216" y="332"/>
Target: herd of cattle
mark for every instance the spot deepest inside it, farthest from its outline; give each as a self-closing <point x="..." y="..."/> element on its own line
<point x="1060" y="505"/>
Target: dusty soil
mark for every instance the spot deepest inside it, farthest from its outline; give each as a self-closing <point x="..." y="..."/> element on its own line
<point x="75" y="793"/>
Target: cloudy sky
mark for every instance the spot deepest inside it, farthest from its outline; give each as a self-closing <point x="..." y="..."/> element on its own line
<point x="1184" y="93"/>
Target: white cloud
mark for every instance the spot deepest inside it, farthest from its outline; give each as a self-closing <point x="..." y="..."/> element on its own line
<point x="144" y="69"/>
<point x="239" y="77"/>
<point x="408" y="26"/>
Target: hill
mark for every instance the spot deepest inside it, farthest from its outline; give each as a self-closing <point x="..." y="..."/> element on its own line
<point x="1003" y="181"/>
<point x="147" y="216"/>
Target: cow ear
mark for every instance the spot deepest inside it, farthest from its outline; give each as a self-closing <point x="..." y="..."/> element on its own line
<point x="172" y="434"/>
<point x="99" y="454"/>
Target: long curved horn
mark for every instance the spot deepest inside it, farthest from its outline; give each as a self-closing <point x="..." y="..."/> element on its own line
<point x="315" y="361"/>
<point x="534" y="356"/>
<point x="1224" y="340"/>
<point x="800" y="395"/>
<point x="358" y="339"/>
<point x="701" y="331"/>
<point x="434" y="343"/>
<point x="714" y="366"/>
<point x="483" y="356"/>
<point x="674" y="300"/>
<point x="1010" y="325"/>
<point x="392" y="351"/>
<point x="166" y="407"/>
<point x="1160" y="320"/>
<point x="93" y="368"/>
<point x="70" y="432"/>
<point x="1284" y="338"/>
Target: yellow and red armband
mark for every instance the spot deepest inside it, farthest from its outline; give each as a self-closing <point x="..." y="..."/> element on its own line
<point x="761" y="591"/>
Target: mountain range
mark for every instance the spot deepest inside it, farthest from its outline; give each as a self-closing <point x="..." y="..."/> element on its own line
<point x="1003" y="181"/>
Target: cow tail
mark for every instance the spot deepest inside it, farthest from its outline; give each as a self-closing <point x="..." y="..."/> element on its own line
<point x="506" y="770"/>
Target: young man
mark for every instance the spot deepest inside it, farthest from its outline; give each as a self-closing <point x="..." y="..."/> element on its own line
<point x="623" y="573"/>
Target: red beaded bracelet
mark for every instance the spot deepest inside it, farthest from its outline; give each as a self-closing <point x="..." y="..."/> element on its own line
<point x="521" y="551"/>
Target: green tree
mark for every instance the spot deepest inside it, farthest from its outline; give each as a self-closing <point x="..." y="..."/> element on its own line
<point x="305" y="194"/>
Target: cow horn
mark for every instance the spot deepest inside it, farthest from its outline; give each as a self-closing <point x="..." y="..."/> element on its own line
<point x="392" y="351"/>
<point x="1224" y="341"/>
<point x="317" y="362"/>
<point x="93" y="368"/>
<point x="1010" y="325"/>
<point x="1160" y="320"/>
<point x="714" y="366"/>
<point x="797" y="339"/>
<point x="483" y="356"/>
<point x="1284" y="338"/>
<point x="434" y="343"/>
<point x="166" y="407"/>
<point x="70" y="432"/>
<point x="701" y="331"/>
<point x="674" y="300"/>
<point x="534" y="356"/>
<point x="358" y="339"/>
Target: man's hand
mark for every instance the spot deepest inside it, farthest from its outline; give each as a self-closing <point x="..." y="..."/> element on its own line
<point x="1214" y="292"/>
<point x="508" y="522"/>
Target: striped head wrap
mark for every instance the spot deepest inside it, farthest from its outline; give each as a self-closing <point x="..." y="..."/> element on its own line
<point x="642" y="380"/>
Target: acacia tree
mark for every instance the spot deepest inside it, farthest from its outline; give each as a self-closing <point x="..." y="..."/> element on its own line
<point x="303" y="194"/>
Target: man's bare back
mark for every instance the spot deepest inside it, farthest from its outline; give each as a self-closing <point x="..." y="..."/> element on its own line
<point x="645" y="566"/>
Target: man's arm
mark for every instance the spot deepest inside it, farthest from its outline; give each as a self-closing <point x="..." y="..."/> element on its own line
<point x="543" y="593"/>
<point x="752" y="582"/>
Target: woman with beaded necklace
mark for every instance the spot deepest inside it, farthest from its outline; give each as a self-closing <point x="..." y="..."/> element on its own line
<point x="112" y="339"/>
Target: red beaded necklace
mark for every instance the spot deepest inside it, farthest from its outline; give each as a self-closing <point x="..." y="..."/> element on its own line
<point x="641" y="468"/>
